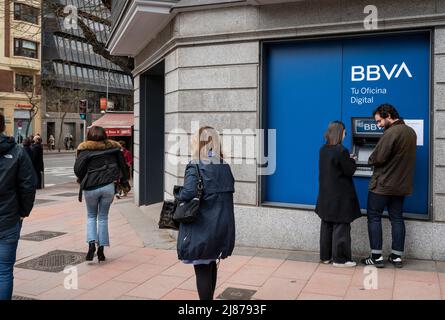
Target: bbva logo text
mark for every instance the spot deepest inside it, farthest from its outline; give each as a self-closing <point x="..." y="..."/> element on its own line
<point x="374" y="72"/>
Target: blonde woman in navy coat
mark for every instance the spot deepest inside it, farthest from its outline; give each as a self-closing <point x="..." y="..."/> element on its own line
<point x="212" y="236"/>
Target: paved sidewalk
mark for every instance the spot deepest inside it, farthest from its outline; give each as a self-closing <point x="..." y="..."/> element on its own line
<point x="142" y="264"/>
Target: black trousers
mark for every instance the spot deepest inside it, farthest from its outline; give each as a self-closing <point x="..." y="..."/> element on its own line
<point x="335" y="242"/>
<point x="206" y="280"/>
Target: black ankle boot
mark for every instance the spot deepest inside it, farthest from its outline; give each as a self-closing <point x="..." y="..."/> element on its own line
<point x="91" y="250"/>
<point x="100" y="254"/>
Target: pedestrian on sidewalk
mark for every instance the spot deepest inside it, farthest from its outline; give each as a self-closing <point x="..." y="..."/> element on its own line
<point x="51" y="143"/>
<point x="98" y="165"/>
<point x="129" y="161"/>
<point x="27" y="147"/>
<point x="37" y="160"/>
<point x="337" y="203"/>
<point x="393" y="159"/>
<point x="212" y="236"/>
<point x="17" y="194"/>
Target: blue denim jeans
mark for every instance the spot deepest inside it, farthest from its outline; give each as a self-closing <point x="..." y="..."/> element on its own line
<point x="376" y="205"/>
<point x="98" y="203"/>
<point x="9" y="240"/>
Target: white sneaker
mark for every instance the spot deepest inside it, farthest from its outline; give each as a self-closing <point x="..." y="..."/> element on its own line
<point x="325" y="261"/>
<point x="348" y="264"/>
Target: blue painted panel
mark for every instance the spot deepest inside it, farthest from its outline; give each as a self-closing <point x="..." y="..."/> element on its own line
<point x="407" y="89"/>
<point x="304" y="94"/>
<point x="309" y="84"/>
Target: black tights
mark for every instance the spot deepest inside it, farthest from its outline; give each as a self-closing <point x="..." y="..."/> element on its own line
<point x="206" y="280"/>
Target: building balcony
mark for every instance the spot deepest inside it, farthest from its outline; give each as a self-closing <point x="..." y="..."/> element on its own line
<point x="139" y="23"/>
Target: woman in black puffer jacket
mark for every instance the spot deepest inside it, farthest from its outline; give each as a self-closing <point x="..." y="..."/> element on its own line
<point x="99" y="164"/>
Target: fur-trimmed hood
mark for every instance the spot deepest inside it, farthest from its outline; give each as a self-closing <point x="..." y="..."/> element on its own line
<point x="98" y="145"/>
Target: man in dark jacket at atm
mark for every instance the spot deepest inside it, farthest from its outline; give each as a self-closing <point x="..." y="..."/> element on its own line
<point x="17" y="194"/>
<point x="393" y="159"/>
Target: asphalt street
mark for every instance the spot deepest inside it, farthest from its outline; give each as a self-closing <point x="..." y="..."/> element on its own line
<point x="59" y="169"/>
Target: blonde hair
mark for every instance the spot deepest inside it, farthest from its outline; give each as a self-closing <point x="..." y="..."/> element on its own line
<point x="204" y="141"/>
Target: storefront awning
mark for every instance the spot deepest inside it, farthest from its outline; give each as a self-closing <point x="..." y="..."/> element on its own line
<point x="116" y="124"/>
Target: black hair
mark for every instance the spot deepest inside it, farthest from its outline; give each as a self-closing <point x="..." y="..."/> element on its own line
<point x="385" y="110"/>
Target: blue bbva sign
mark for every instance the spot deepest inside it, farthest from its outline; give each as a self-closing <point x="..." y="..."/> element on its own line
<point x="310" y="83"/>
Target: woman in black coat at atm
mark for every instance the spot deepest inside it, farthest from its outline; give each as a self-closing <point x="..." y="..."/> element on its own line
<point x="337" y="203"/>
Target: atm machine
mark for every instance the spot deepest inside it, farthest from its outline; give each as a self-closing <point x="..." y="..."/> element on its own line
<point x="365" y="135"/>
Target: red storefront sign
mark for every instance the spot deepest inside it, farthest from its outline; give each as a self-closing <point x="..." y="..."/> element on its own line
<point x="115" y="132"/>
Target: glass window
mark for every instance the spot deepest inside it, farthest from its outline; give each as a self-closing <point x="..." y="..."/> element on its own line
<point x="26" y="13"/>
<point x="66" y="69"/>
<point x="24" y="83"/>
<point x="79" y="72"/>
<point x="25" y="48"/>
<point x="73" y="71"/>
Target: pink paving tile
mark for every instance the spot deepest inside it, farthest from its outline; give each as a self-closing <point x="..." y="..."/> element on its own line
<point x="359" y="293"/>
<point x="266" y="262"/>
<point x="416" y="290"/>
<point x="234" y="263"/>
<point x="97" y="277"/>
<point x="60" y="293"/>
<point x="280" y="289"/>
<point x="180" y="269"/>
<point x="141" y="273"/>
<point x="165" y="259"/>
<point x="296" y="270"/>
<point x="315" y="296"/>
<point x="42" y="284"/>
<point x="179" y="294"/>
<point x="422" y="276"/>
<point x="115" y="252"/>
<point x="132" y="298"/>
<point x="222" y="277"/>
<point x="190" y="284"/>
<point x="442" y="288"/>
<point x="123" y="264"/>
<point x="110" y="290"/>
<point x="385" y="277"/>
<point x="252" y="275"/>
<point x="27" y="274"/>
<point x="157" y="287"/>
<point x="134" y="243"/>
<point x="328" y="284"/>
<point x="329" y="268"/>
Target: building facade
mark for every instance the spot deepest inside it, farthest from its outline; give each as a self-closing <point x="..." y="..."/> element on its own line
<point x="270" y="75"/>
<point x="20" y="55"/>
<point x="72" y="71"/>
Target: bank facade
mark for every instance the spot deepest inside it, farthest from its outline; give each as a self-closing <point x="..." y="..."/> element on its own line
<point x="279" y="71"/>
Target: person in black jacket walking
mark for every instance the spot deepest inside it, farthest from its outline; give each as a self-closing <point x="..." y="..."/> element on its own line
<point x="212" y="235"/>
<point x="337" y="203"/>
<point x="99" y="164"/>
<point x="27" y="147"/>
<point x="37" y="160"/>
<point x="17" y="194"/>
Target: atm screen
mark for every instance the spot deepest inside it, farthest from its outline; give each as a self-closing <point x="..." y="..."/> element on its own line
<point x="364" y="153"/>
<point x="367" y="126"/>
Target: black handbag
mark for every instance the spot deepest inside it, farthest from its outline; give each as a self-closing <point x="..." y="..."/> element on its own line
<point x="166" y="219"/>
<point x="187" y="211"/>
